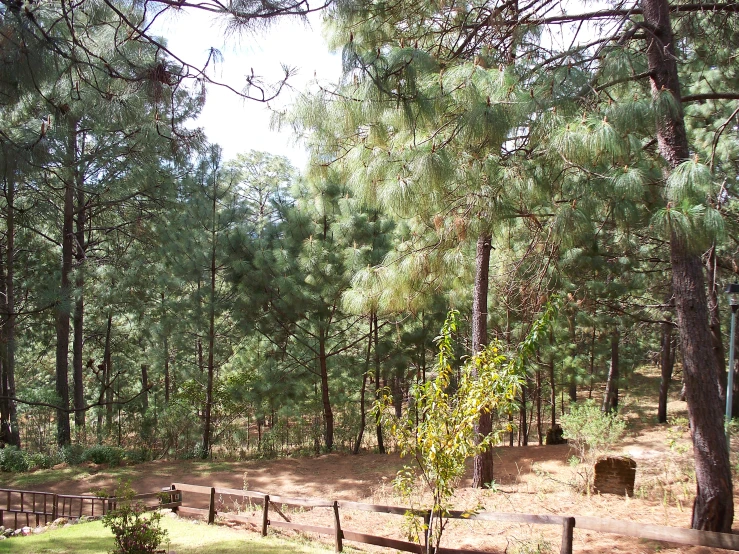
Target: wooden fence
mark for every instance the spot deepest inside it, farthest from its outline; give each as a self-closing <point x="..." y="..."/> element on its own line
<point x="568" y="523"/>
<point x="35" y="508"/>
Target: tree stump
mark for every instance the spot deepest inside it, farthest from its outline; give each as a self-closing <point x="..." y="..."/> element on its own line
<point x="555" y="435"/>
<point x="615" y="475"/>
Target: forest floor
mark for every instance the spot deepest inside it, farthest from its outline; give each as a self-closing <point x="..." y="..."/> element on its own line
<point x="528" y="479"/>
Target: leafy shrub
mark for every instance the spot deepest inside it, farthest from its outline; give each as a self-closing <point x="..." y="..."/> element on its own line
<point x="13" y="459"/>
<point x="103" y="454"/>
<point x="41" y="460"/>
<point x="136" y="531"/>
<point x="138" y="455"/>
<point x="73" y="454"/>
<point x="592" y="432"/>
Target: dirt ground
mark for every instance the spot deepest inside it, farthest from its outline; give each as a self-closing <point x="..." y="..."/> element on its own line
<point x="531" y="479"/>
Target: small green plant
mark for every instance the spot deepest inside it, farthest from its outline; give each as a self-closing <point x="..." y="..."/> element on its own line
<point x="440" y="435"/>
<point x="136" y="530"/>
<point x="592" y="433"/>
<point x="439" y="432"/>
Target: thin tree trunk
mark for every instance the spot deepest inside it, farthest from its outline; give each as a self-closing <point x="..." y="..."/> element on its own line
<point x="62" y="308"/>
<point x="524" y="424"/>
<point x="108" y="375"/>
<point x="79" y="307"/>
<point x="713" y="509"/>
<point x="144" y="388"/>
<point x="666" y="362"/>
<point x="211" y="330"/>
<point x="592" y="364"/>
<point x="362" y="391"/>
<point x="539" y="430"/>
<point x="380" y="442"/>
<point x="9" y="425"/>
<point x="552" y="384"/>
<point x="482" y="469"/>
<point x="328" y="414"/>
<point x="167" y="383"/>
<point x="714" y="324"/>
<point x="610" y="398"/>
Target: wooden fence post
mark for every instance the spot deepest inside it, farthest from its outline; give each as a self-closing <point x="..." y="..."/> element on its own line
<point x="212" y="506"/>
<point x="337" y="527"/>
<point x="54" y="507"/>
<point x="265" y="515"/>
<point x="178" y="494"/>
<point x="568" y="524"/>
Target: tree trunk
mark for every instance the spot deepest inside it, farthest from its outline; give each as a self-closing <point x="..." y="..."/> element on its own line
<point x="380" y="442"/>
<point x="167" y="383"/>
<point x="524" y="424"/>
<point x="108" y="375"/>
<point x="9" y="431"/>
<point x="328" y="414"/>
<point x="667" y="363"/>
<point x="398" y="391"/>
<point x="592" y="364"/>
<point x="553" y="391"/>
<point x="362" y="391"/>
<point x="610" y="398"/>
<point x="211" y="330"/>
<point x="79" y="307"/>
<point x="63" y="304"/>
<point x="713" y="509"/>
<point x="144" y="388"/>
<point x="539" y="430"/>
<point x="714" y="325"/>
<point x="482" y="469"/>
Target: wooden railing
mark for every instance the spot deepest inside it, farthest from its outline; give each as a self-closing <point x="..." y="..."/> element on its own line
<point x="35" y="507"/>
<point x="568" y="523"/>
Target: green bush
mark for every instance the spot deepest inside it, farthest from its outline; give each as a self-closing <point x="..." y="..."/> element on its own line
<point x="136" y="531"/>
<point x="591" y="431"/>
<point x="593" y="434"/>
<point x="40" y="460"/>
<point x="103" y="454"/>
<point x="13" y="459"/>
<point x="73" y="454"/>
<point x="138" y="455"/>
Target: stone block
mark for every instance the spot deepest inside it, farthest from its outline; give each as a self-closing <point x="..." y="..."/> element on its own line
<point x="615" y="475"/>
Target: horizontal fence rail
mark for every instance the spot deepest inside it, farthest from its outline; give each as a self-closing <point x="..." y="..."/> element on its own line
<point x="266" y="502"/>
<point x="37" y="508"/>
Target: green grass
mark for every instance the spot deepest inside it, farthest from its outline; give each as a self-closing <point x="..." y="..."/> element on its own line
<point x="72" y="473"/>
<point x="186" y="537"/>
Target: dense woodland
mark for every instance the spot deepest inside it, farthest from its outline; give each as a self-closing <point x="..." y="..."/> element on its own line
<point x="480" y="156"/>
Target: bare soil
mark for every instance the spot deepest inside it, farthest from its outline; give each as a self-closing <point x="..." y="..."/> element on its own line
<point x="529" y="479"/>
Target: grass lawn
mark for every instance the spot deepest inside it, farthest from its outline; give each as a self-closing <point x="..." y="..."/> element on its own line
<point x="186" y="537"/>
<point x="71" y="473"/>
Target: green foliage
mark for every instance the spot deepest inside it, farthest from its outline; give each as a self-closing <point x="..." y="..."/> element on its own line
<point x="593" y="433"/>
<point x="14" y="459"/>
<point x="440" y="432"/>
<point x="104" y="454"/>
<point x="136" y="530"/>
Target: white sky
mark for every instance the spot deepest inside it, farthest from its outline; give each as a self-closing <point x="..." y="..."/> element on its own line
<point x="233" y="123"/>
